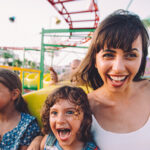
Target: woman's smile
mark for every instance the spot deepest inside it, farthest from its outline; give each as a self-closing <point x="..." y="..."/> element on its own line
<point x="117" y="81"/>
<point x="118" y="67"/>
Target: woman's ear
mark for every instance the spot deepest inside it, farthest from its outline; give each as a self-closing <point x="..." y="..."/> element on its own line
<point x="15" y="94"/>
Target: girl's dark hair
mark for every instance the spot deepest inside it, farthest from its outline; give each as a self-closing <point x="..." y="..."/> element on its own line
<point x="74" y="95"/>
<point x="12" y="81"/>
<point x="118" y="30"/>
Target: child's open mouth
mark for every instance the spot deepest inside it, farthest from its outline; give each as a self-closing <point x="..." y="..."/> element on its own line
<point x="64" y="134"/>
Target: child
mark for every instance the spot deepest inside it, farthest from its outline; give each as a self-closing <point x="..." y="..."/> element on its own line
<point x="66" y="118"/>
<point x="17" y="127"/>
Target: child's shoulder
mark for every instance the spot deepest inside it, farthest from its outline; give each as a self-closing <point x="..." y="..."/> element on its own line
<point x="50" y="139"/>
<point x="49" y="142"/>
<point x="25" y="116"/>
<point x="91" y="146"/>
<point x="28" y="121"/>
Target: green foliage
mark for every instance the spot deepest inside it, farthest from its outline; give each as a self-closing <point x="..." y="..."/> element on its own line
<point x="30" y="64"/>
<point x="7" y="55"/>
<point x="17" y="63"/>
<point x="146" y="22"/>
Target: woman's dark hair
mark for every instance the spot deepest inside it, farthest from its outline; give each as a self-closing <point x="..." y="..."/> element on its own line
<point x="76" y="96"/>
<point x="118" y="30"/>
<point x="12" y="81"/>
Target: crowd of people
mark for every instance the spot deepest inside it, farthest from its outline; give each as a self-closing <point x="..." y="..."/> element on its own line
<point x="114" y="116"/>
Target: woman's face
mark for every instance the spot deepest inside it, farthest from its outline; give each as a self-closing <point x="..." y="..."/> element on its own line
<point x="116" y="67"/>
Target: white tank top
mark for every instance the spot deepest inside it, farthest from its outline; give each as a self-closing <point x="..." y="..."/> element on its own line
<point x="136" y="140"/>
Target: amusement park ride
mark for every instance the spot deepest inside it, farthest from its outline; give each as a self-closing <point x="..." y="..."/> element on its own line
<point x="79" y="30"/>
<point x="73" y="37"/>
<point x="61" y="7"/>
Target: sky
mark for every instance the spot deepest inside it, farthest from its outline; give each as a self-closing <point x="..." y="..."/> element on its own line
<point x="33" y="15"/>
<point x="140" y="7"/>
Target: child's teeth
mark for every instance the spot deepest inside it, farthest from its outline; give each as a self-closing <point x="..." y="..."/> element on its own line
<point x="117" y="78"/>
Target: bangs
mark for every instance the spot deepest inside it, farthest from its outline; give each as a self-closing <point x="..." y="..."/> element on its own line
<point x="72" y="95"/>
<point x="63" y="95"/>
<point x="118" y="35"/>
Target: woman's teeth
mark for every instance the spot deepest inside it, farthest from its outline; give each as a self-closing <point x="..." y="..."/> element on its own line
<point x="115" y="78"/>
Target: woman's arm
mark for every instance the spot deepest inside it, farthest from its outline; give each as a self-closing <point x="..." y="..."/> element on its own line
<point x="23" y="147"/>
<point x="35" y="144"/>
<point x="43" y="142"/>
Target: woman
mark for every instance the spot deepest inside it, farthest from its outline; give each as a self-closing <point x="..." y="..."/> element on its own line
<point x="113" y="67"/>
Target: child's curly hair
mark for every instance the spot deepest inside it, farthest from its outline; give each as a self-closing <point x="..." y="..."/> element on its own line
<point x="76" y="96"/>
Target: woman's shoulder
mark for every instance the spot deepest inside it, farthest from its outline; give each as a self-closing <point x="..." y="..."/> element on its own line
<point x="142" y="88"/>
<point x="143" y="85"/>
<point x="92" y="99"/>
<point x="97" y="99"/>
<point x="95" y="94"/>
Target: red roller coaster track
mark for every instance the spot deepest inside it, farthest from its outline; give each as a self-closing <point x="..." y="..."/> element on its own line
<point x="62" y="6"/>
<point x="78" y="14"/>
<point x="76" y="17"/>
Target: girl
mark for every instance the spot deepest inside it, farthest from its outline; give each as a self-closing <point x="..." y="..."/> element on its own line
<point x="66" y="118"/>
<point x="113" y="67"/>
<point x="17" y="127"/>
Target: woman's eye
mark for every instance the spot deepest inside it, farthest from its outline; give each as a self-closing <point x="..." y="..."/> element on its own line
<point x="70" y="112"/>
<point x="108" y="55"/>
<point x="130" y="55"/>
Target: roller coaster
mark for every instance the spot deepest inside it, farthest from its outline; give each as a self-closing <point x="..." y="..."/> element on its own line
<point x="82" y="22"/>
<point x="79" y="32"/>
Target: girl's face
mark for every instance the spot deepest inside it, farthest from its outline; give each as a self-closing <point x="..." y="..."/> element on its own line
<point x="5" y="97"/>
<point x="117" y="68"/>
<point x="65" y="121"/>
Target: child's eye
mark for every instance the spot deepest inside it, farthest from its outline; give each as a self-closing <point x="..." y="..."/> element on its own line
<point x="53" y="113"/>
<point x="70" y="112"/>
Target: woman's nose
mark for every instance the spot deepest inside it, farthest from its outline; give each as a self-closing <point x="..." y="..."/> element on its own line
<point x="118" y="65"/>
